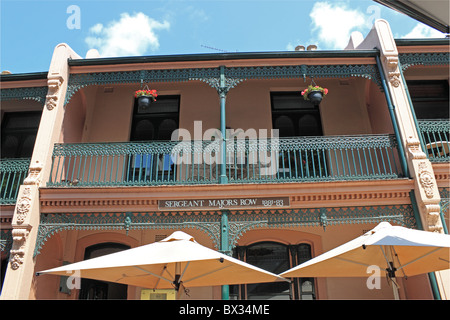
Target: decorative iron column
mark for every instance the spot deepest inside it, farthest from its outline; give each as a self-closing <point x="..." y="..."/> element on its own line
<point x="225" y="247"/>
<point x="223" y="90"/>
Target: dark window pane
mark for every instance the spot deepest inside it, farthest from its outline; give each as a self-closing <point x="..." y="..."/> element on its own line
<point x="273" y="257"/>
<point x="18" y="134"/>
<point x="293" y="116"/>
<point x="430" y="98"/>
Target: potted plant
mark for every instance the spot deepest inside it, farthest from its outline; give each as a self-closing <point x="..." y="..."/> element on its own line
<point x="145" y="97"/>
<point x="314" y="94"/>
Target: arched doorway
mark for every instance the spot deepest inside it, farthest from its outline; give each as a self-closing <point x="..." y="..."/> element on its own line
<point x="101" y="290"/>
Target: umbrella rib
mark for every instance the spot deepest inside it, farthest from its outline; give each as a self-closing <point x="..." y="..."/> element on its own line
<point x="157" y="282"/>
<point x="412" y="261"/>
<point x="356" y="262"/>
<point x="205" y="274"/>
<point x="185" y="268"/>
<point x="153" y="274"/>
<point x="398" y="260"/>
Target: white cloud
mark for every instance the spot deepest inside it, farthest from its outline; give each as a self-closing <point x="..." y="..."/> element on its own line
<point x="423" y="31"/>
<point x="131" y="35"/>
<point x="334" y="23"/>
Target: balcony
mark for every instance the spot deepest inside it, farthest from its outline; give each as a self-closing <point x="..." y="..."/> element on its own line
<point x="299" y="159"/>
<point x="12" y="174"/>
<point x="435" y="137"/>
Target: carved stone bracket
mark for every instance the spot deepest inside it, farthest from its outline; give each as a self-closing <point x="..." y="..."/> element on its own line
<point x="54" y="84"/>
<point x="18" y="250"/>
<point x="433" y="217"/>
<point x="33" y="174"/>
<point x="393" y="70"/>
<point x="414" y="148"/>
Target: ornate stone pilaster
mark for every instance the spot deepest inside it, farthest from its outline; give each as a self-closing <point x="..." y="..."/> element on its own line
<point x="420" y="168"/>
<point x="426" y="190"/>
<point x="24" y="234"/>
<point x="25" y="223"/>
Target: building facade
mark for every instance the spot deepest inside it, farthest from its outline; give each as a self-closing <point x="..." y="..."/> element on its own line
<point x="230" y="153"/>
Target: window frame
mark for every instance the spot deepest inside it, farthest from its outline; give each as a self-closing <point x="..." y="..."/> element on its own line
<point x="292" y="250"/>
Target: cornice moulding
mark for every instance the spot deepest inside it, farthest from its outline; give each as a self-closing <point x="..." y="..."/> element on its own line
<point x="302" y="195"/>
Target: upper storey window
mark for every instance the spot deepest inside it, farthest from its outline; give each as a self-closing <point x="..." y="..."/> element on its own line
<point x="18" y="132"/>
<point x="430" y="98"/>
<point x="158" y="122"/>
<point x="293" y="116"/>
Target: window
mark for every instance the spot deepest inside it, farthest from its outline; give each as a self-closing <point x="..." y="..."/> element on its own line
<point x="430" y="98"/>
<point x="100" y="290"/>
<point x="293" y="116"/>
<point x="431" y="104"/>
<point x="158" y="122"/>
<point x="276" y="258"/>
<point x="303" y="287"/>
<point x="154" y="124"/>
<point x="18" y="132"/>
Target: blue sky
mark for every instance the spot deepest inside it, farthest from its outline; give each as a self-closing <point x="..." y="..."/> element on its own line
<point x="31" y="29"/>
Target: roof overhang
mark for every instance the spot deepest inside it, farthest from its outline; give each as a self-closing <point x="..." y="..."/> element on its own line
<point x="434" y="13"/>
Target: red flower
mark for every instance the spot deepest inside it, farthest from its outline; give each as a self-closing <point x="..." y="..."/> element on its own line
<point x="151" y="93"/>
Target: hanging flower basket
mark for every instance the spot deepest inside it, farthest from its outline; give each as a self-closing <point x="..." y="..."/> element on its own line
<point x="314" y="94"/>
<point x="145" y="98"/>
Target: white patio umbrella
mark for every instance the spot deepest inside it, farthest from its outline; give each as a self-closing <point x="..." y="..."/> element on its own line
<point x="399" y="251"/>
<point x="176" y="260"/>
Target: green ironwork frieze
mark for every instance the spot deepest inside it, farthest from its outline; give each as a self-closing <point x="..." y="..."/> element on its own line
<point x="211" y="76"/>
<point x="239" y="221"/>
<point x="30" y="93"/>
<point x="424" y="59"/>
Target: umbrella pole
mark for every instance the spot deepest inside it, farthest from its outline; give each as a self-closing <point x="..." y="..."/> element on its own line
<point x="176" y="280"/>
<point x="391" y="269"/>
<point x="395" y="289"/>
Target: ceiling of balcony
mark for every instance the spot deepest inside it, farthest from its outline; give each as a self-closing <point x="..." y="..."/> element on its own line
<point x="434" y="13"/>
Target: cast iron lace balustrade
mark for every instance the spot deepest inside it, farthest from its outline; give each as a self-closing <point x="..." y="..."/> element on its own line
<point x="435" y="136"/>
<point x="297" y="159"/>
<point x="12" y="174"/>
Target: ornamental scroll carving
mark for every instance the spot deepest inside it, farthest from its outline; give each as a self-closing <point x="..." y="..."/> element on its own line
<point x="426" y="180"/>
<point x="18" y="250"/>
<point x="23" y="206"/>
<point x="53" y="88"/>
<point x="393" y="71"/>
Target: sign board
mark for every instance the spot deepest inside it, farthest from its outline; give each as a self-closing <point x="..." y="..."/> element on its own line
<point x="224" y="203"/>
<point x="158" y="294"/>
